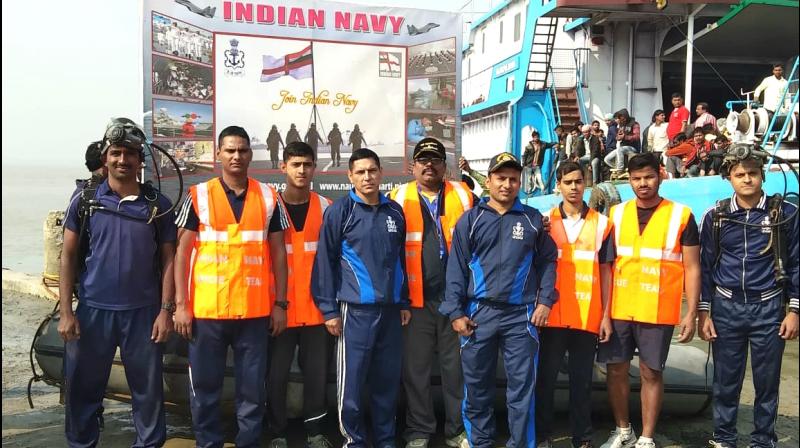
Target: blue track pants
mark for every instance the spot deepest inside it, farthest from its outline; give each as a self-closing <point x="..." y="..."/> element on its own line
<point x="369" y="351"/>
<point x="507" y="329"/>
<point x="208" y="353"/>
<point x="87" y="366"/>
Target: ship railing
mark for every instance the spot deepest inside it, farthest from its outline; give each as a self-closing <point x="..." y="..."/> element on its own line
<point x="569" y="67"/>
<point x="553" y="95"/>
<point x="581" y="56"/>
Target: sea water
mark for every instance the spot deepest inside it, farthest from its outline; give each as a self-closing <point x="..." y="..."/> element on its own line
<point x="29" y="193"/>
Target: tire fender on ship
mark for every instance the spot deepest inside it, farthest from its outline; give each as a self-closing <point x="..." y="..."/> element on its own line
<point x="604" y="196"/>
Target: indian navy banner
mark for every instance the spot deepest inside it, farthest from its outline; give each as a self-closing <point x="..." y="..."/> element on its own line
<point x="338" y="76"/>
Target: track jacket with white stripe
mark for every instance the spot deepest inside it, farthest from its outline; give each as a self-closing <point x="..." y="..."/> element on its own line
<point x="360" y="256"/>
<point x="745" y="270"/>
<point x="505" y="258"/>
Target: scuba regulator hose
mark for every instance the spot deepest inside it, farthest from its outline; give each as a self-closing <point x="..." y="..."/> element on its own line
<point x="164" y="152"/>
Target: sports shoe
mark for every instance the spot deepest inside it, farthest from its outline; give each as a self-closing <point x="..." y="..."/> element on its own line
<point x="278" y="442"/>
<point x="714" y="444"/>
<point x="620" y="439"/>
<point x="417" y="443"/>
<point x="645" y="443"/>
<point x="546" y="443"/>
<point x="318" y="441"/>
<point x="459" y="441"/>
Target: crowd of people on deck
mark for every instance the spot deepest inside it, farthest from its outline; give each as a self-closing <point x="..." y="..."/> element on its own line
<point x="686" y="149"/>
<point x="686" y="146"/>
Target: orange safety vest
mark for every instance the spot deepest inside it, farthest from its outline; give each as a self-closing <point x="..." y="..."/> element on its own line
<point x="579" y="305"/>
<point x="648" y="271"/>
<point x="230" y="274"/>
<point x="301" y="248"/>
<point x="457" y="200"/>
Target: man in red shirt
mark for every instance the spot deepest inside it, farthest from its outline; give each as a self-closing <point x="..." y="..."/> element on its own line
<point x="678" y="118"/>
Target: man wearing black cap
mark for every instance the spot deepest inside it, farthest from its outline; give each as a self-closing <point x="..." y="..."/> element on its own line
<point x="431" y="207"/>
<point x="126" y="293"/>
<point x="500" y="286"/>
<point x="95" y="165"/>
<point x="94" y="160"/>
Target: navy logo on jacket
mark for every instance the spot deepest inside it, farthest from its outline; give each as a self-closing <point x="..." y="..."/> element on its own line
<point x="518" y="231"/>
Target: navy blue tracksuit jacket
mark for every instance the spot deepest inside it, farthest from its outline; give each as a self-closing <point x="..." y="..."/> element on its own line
<point x="360" y="255"/>
<point x="501" y="258"/>
<point x="743" y="271"/>
<point x="500" y="267"/>
<point x="746" y="305"/>
<point x="359" y="275"/>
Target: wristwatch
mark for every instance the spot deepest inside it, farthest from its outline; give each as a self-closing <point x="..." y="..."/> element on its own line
<point x="169" y="306"/>
<point x="282" y="304"/>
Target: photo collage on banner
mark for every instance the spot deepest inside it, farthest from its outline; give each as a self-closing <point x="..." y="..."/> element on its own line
<point x="432" y="87"/>
<point x="337" y="76"/>
<point x="182" y="95"/>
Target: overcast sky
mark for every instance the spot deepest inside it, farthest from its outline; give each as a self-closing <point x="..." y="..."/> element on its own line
<point x="69" y="66"/>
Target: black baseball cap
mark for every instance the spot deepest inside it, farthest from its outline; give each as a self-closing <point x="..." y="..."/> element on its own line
<point x="94" y="158"/>
<point x="430" y="147"/>
<point x="504" y="160"/>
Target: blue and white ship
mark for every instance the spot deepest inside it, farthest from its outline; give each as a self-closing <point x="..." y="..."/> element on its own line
<point x="535" y="64"/>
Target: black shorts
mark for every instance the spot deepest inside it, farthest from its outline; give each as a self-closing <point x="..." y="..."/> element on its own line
<point x="652" y="340"/>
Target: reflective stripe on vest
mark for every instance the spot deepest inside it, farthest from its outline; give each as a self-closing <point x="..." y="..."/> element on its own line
<point x="457" y="200"/>
<point x="648" y="272"/>
<point x="230" y="277"/>
<point x="301" y="248"/>
<point x="579" y="304"/>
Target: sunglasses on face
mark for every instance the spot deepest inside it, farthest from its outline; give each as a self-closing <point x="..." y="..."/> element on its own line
<point x="432" y="160"/>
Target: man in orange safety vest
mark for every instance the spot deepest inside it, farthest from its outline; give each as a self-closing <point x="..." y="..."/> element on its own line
<point x="580" y="316"/>
<point x="658" y="259"/>
<point x="431" y="206"/>
<point x="231" y="240"/>
<point x="305" y="325"/>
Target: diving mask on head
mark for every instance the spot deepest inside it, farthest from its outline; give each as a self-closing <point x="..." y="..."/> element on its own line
<point x="742" y="151"/>
<point x="124" y="132"/>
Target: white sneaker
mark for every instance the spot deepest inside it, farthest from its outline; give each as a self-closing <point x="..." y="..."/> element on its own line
<point x="459" y="441"/>
<point x="621" y="439"/>
<point x="714" y="444"/>
<point x="645" y="443"/>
